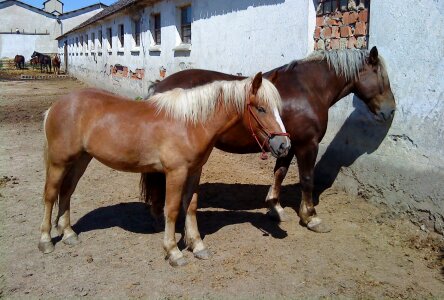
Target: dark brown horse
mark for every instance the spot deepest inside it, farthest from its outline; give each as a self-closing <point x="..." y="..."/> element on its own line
<point x="172" y="133"/>
<point x="19" y="61"/>
<point x="56" y="64"/>
<point x="308" y="88"/>
<point x="44" y="61"/>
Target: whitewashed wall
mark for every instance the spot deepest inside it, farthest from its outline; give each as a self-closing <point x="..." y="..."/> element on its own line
<point x="230" y="36"/>
<point x="15" y="16"/>
<point x="31" y="21"/>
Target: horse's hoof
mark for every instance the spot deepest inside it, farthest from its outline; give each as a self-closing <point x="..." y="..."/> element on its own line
<point x="277" y="216"/>
<point x="178" y="262"/>
<point x="319" y="227"/>
<point x="203" y="254"/>
<point x="46" y="247"/>
<point x="71" y="240"/>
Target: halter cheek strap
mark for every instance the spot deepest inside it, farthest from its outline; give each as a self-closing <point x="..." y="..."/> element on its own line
<point x="269" y="134"/>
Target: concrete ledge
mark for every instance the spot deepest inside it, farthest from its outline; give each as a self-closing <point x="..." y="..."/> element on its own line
<point x="41" y="77"/>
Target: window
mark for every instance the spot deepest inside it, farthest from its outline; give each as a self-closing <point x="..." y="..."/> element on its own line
<point x="185" y="24"/>
<point x="99" y="39"/>
<point x="342" y="24"/>
<point x="86" y="42"/>
<point x="81" y="42"/>
<point x="109" y="32"/>
<point x="93" y="40"/>
<point x="136" y="33"/>
<point x="157" y="32"/>
<point x="77" y="42"/>
<point x="121" y="35"/>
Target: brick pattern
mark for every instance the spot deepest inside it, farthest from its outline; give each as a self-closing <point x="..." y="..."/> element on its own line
<point x="123" y="72"/>
<point x="345" y="28"/>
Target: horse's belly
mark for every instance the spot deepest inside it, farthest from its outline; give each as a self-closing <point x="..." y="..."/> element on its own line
<point x="127" y="165"/>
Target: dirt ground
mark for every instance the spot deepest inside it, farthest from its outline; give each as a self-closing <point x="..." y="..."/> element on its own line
<point x="370" y="253"/>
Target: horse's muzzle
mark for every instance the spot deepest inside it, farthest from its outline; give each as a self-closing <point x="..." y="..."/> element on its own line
<point x="279" y="145"/>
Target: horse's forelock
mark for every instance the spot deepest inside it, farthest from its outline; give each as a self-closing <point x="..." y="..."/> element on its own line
<point x="269" y="95"/>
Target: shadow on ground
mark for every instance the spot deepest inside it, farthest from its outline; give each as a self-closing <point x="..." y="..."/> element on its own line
<point x="237" y="200"/>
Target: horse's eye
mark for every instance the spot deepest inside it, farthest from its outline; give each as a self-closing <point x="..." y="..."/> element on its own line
<point x="261" y="109"/>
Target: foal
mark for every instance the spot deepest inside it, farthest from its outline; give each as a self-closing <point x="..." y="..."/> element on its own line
<point x="172" y="133"/>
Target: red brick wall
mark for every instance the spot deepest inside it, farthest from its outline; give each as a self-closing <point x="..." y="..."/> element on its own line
<point x="342" y="28"/>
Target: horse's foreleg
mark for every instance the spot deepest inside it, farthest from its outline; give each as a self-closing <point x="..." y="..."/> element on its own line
<point x="306" y="157"/>
<point x="54" y="179"/>
<point x="175" y="182"/>
<point x="68" y="186"/>
<point x="192" y="235"/>
<point x="280" y="171"/>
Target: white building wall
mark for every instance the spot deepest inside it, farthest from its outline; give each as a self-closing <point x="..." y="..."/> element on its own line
<point x="33" y="21"/>
<point x="29" y="22"/>
<point x="70" y="21"/>
<point x="230" y="36"/>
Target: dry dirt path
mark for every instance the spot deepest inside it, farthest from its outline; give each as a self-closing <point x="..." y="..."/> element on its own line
<point x="369" y="254"/>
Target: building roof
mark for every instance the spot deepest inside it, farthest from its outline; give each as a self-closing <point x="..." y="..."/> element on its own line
<point x="30" y="7"/>
<point x="108" y="11"/>
<point x="88" y="8"/>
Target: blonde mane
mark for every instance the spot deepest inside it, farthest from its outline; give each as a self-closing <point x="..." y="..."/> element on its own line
<point x="198" y="104"/>
<point x="347" y="62"/>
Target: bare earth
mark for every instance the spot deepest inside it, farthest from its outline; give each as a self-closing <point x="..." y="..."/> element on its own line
<point x="370" y="253"/>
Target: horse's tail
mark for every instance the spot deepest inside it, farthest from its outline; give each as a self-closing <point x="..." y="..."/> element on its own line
<point x="152" y="88"/>
<point x="152" y="191"/>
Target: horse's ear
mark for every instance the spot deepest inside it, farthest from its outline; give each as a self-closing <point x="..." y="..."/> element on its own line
<point x="257" y="82"/>
<point x="274" y="77"/>
<point x="373" y="56"/>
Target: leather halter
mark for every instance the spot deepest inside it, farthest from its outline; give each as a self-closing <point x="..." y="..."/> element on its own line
<point x="269" y="134"/>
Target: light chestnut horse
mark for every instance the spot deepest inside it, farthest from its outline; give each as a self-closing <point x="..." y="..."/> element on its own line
<point x="172" y="133"/>
<point x="56" y="64"/>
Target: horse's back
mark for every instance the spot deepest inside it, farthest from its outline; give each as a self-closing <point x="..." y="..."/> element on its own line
<point x="191" y="78"/>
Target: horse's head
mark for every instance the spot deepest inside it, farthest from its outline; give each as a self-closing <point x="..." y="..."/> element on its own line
<point x="34" y="54"/>
<point x="263" y="119"/>
<point x="373" y="87"/>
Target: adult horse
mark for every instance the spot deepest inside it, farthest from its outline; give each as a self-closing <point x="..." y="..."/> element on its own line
<point x="172" y="134"/>
<point x="56" y="64"/>
<point x="43" y="60"/>
<point x="19" y="61"/>
<point x="308" y="87"/>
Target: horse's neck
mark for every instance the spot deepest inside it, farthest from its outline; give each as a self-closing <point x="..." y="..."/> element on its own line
<point x="222" y="120"/>
<point x="329" y="86"/>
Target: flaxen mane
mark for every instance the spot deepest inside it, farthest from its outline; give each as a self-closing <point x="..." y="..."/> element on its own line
<point x="200" y="103"/>
<point x="347" y="62"/>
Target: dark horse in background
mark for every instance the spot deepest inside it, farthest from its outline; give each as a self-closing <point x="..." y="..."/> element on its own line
<point x="43" y="60"/>
<point x="308" y="87"/>
<point x="19" y="62"/>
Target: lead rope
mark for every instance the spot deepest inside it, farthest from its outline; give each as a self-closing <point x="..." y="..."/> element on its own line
<point x="270" y="135"/>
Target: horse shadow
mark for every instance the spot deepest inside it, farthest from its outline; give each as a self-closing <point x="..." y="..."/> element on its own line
<point x="360" y="134"/>
<point x="238" y="201"/>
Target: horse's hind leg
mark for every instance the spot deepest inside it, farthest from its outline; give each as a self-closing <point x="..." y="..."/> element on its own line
<point x="280" y="171"/>
<point x="54" y="177"/>
<point x="192" y="235"/>
<point x="68" y="186"/>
